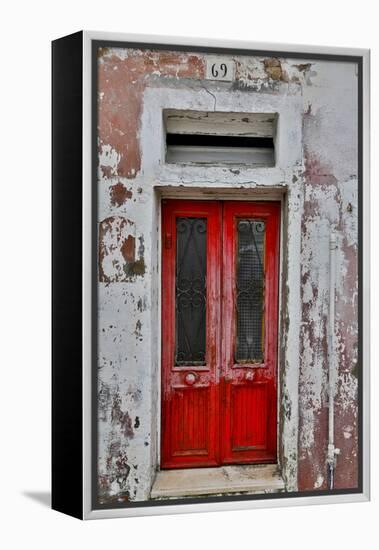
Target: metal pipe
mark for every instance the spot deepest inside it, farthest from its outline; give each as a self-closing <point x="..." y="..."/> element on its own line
<point x="332" y="451"/>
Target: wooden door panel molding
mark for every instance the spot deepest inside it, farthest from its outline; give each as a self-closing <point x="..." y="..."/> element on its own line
<point x="219" y="407"/>
<point x="248" y="432"/>
<point x="190" y="411"/>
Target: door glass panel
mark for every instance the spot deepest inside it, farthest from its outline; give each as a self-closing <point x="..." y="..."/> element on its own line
<point x="250" y="291"/>
<point x="190" y="298"/>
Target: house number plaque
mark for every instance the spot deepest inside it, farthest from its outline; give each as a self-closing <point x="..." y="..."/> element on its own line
<point x="220" y="69"/>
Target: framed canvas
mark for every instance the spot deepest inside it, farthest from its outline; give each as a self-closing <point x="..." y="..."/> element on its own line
<point x="210" y="275"/>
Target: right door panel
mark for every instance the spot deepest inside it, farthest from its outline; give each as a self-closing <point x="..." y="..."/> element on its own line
<point x="249" y="324"/>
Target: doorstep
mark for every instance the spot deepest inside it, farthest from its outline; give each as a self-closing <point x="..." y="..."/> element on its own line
<point x="262" y="478"/>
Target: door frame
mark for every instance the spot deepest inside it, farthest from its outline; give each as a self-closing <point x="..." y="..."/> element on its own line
<point x="197" y="194"/>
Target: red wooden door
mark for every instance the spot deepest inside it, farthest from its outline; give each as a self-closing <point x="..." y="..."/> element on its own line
<point x="219" y="332"/>
<point x="249" y="339"/>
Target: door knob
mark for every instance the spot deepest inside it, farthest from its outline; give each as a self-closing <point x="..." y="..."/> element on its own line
<point x="190" y="378"/>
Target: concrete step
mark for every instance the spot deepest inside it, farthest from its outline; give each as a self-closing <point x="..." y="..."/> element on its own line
<point x="214" y="481"/>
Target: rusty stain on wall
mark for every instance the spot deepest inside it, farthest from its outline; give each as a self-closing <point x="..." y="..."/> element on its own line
<point x="273" y="68"/>
<point x="119" y="194"/>
<point x="121" y="417"/>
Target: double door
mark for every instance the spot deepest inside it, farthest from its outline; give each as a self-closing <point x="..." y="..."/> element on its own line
<point x="220" y="262"/>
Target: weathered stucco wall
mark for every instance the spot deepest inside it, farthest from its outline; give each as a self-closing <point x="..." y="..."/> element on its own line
<point x="330" y="203"/>
<point x="316" y="172"/>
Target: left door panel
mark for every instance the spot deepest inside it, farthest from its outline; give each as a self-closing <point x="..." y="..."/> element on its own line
<point x="190" y="325"/>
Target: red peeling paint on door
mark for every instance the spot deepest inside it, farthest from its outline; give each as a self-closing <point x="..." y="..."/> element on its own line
<point x="216" y="407"/>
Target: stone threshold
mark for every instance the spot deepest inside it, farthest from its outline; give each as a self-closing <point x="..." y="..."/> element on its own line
<point x="262" y="478"/>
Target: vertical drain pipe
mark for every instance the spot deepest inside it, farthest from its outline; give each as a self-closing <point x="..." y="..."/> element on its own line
<point x="332" y="451"/>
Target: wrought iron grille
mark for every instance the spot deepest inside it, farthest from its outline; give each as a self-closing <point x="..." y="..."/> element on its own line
<point x="190" y="302"/>
<point x="250" y="291"/>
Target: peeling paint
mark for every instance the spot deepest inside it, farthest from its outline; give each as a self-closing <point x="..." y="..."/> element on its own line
<point x="117" y="261"/>
<point x="273" y="68"/>
<point x="121" y="417"/>
<point x="120" y="103"/>
<point x="326" y="208"/>
<point x="119" y="194"/>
